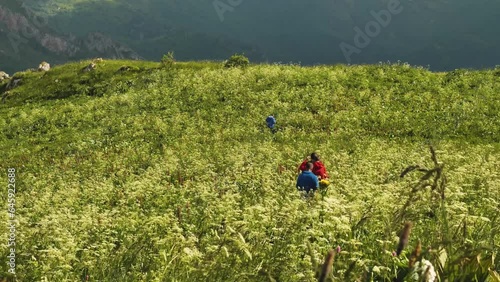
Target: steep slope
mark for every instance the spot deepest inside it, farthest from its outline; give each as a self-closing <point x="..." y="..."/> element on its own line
<point x="442" y="34"/>
<point x="29" y="39"/>
<point x="140" y="172"/>
<point x="32" y="31"/>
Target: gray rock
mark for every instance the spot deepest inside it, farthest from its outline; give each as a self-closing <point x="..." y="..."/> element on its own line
<point x="124" y="68"/>
<point x="13" y="83"/>
<point x="44" y="66"/>
<point x="90" y="67"/>
<point x="3" y="75"/>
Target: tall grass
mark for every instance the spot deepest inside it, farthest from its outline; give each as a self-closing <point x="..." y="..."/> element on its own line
<point x="169" y="174"/>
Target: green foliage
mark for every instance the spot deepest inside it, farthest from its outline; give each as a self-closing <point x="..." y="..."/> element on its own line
<point x="168" y="59"/>
<point x="69" y="80"/>
<point x="237" y="60"/>
<point x="170" y="174"/>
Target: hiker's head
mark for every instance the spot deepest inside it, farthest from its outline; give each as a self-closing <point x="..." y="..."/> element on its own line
<point x="314" y="157"/>
<point x="309" y="166"/>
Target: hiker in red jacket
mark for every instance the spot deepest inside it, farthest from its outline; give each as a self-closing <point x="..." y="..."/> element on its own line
<point x="318" y="167"/>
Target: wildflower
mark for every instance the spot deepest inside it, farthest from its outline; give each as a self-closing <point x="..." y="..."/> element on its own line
<point x="424" y="271"/>
<point x="338" y="249"/>
<point x="394" y="253"/>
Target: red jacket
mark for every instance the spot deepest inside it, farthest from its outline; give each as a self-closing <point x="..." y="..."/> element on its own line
<point x="318" y="169"/>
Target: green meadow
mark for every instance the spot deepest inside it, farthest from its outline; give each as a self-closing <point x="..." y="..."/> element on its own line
<point x="142" y="171"/>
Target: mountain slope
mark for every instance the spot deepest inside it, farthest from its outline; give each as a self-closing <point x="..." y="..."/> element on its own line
<point x="311" y="32"/>
<point x="441" y="34"/>
<point x="32" y="32"/>
<point x="141" y="172"/>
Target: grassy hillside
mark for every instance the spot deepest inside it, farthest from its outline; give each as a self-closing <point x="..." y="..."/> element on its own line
<point x="435" y="33"/>
<point x="168" y="173"/>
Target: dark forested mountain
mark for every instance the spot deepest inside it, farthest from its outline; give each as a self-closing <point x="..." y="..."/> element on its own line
<point x="441" y="34"/>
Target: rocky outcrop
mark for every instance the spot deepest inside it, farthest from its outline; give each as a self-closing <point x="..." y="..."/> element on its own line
<point x="44" y="66"/>
<point x="3" y="75"/>
<point x="13" y="83"/>
<point x="90" y="67"/>
<point x="124" y="68"/>
<point x="58" y="45"/>
<point x="26" y="29"/>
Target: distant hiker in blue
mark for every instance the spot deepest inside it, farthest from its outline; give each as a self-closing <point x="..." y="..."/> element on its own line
<point x="307" y="180"/>
<point x="271" y="123"/>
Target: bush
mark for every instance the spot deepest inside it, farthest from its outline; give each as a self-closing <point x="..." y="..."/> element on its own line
<point x="168" y="59"/>
<point x="237" y="61"/>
